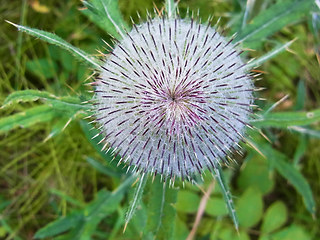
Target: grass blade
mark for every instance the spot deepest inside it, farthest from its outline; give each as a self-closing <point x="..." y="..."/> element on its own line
<point x="273" y="19"/>
<point x="274" y="52"/>
<point x="54" y="39"/>
<point x="306" y="131"/>
<point x="247" y="12"/>
<point x="66" y="197"/>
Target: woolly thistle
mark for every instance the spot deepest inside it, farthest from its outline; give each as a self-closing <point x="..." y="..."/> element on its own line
<point x="173" y="98"/>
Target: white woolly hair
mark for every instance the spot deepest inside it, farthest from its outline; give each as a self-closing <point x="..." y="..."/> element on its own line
<point x="174" y="98"/>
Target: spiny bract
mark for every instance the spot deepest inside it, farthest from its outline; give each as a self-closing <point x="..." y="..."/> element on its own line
<point x="173" y="98"/>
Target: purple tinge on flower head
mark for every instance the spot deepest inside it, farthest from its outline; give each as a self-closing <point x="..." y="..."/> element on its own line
<point x="174" y="98"/>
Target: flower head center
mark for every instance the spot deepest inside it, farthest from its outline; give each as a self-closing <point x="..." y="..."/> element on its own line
<point x="175" y="109"/>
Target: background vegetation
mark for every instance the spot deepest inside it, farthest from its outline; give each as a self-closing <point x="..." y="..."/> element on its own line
<point x="55" y="183"/>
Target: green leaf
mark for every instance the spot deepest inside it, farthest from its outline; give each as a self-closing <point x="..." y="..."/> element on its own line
<point x="82" y="224"/>
<point x="230" y="234"/>
<point x="291" y="232"/>
<point x="273" y="19"/>
<point x="102" y="168"/>
<point x="187" y="202"/>
<point x="28" y="118"/>
<point x="287" y="119"/>
<point x="255" y="173"/>
<point x="246" y="13"/>
<point x="26" y="96"/>
<point x="137" y="224"/>
<point x="65" y="103"/>
<point x="161" y="211"/>
<point x="300" y="150"/>
<point x="137" y="196"/>
<point x="59" y="226"/>
<point x="274" y="52"/>
<point x="42" y="67"/>
<point x="250" y="207"/>
<point x="66" y="197"/>
<point x="306" y="131"/>
<point x="181" y="231"/>
<point x="54" y="39"/>
<point x="90" y="133"/>
<point x="7" y="228"/>
<point x="170" y="8"/>
<point x="219" y="176"/>
<point x="107" y="204"/>
<point x="275" y="216"/>
<point x="4" y="203"/>
<point x="58" y="127"/>
<point x="168" y="214"/>
<point x="106" y="14"/>
<point x="301" y="96"/>
<point x="64" y="107"/>
<point x="155" y="202"/>
<point x="281" y="163"/>
<point x="103" y="206"/>
<point x="216" y="207"/>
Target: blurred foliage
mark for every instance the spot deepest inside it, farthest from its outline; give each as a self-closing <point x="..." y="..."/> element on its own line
<point x="55" y="182"/>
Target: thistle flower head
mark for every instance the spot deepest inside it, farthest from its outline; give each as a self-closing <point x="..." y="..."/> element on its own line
<point x="173" y="98"/>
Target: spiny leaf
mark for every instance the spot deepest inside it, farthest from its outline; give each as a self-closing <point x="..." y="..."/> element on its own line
<point x="54" y="39"/>
<point x="34" y="95"/>
<point x="106" y="14"/>
<point x="26" y="96"/>
<point x="64" y="107"/>
<point x="138" y="192"/>
<point x="287" y="119"/>
<point x="219" y="176"/>
<point x="28" y="118"/>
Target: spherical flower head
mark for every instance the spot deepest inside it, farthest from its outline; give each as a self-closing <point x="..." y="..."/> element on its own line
<point x="174" y="98"/>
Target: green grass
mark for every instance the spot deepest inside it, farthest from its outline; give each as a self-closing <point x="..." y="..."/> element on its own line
<point x="51" y="172"/>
